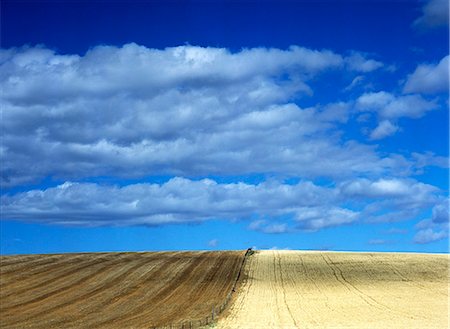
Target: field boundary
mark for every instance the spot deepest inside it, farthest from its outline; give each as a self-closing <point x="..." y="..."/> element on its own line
<point x="215" y="311"/>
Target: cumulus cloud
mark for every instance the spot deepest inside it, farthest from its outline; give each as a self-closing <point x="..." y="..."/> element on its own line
<point x="389" y="108"/>
<point x="434" y="14"/>
<point x="435" y="228"/>
<point x="266" y="226"/>
<point x="385" y="128"/>
<point x="364" y="188"/>
<point x="440" y="213"/>
<point x="143" y="72"/>
<point x="355" y="82"/>
<point x="389" y="200"/>
<point x="315" y="218"/>
<point x="429" y="235"/>
<point x="271" y="206"/>
<point x="429" y="78"/>
<point x="359" y="62"/>
<point x="179" y="200"/>
<point x="429" y="159"/>
<point x="133" y="111"/>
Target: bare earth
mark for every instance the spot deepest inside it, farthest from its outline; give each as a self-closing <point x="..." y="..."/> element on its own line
<point x="294" y="289"/>
<point x="113" y="290"/>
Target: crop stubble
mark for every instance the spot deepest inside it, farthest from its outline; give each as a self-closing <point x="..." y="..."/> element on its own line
<point x="113" y="290"/>
<point x="293" y="289"/>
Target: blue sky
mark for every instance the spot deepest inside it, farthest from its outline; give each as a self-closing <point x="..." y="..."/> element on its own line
<point x="173" y="125"/>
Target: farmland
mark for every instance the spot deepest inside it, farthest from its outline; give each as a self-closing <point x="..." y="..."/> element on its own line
<point x="114" y="290"/>
<point x="278" y="289"/>
<point x="293" y="289"/>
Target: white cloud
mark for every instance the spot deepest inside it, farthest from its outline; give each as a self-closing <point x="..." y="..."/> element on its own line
<point x="373" y="101"/>
<point x="144" y="72"/>
<point x="213" y="243"/>
<point x="385" y="128"/>
<point x="177" y="201"/>
<point x="390" y="108"/>
<point x="358" y="62"/>
<point x="429" y="235"/>
<point x="336" y="112"/>
<point x="271" y="206"/>
<point x="429" y="78"/>
<point x="135" y="112"/>
<point x="316" y="218"/>
<point x="355" y="82"/>
<point x="435" y="228"/>
<point x="429" y="159"/>
<point x="266" y="226"/>
<point x="384" y="188"/>
<point x="434" y="14"/>
<point x="389" y="200"/>
<point x="441" y="213"/>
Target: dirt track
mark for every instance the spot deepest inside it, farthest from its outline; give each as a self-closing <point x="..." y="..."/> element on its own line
<point x="292" y="289"/>
<point x="113" y="290"/>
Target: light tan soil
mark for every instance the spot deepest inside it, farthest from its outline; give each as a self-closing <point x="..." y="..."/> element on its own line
<point x="113" y="290"/>
<point x="294" y="289"/>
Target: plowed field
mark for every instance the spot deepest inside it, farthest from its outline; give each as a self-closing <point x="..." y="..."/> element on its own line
<point x="292" y="289"/>
<point x="113" y="290"/>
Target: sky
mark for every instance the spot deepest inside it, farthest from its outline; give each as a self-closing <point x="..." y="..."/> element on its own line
<point x="212" y="125"/>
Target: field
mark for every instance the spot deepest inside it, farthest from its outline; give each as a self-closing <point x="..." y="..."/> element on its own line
<point x="114" y="290"/>
<point x="278" y="289"/>
<point x="292" y="289"/>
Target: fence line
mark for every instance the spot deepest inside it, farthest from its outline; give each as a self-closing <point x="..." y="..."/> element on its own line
<point x="196" y="324"/>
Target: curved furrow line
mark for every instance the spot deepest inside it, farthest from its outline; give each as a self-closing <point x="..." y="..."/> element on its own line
<point x="44" y="282"/>
<point x="102" y="286"/>
<point x="283" y="289"/>
<point x="62" y="289"/>
<point x="203" y="292"/>
<point x="169" y="292"/>
<point x="335" y="274"/>
<point x="365" y="296"/>
<point x="157" y="271"/>
<point x="19" y="265"/>
<point x="350" y="286"/>
<point x="14" y="260"/>
<point x="44" y="277"/>
<point x="144" y="305"/>
<point x="411" y="282"/>
<point x="163" y="297"/>
<point x="301" y="297"/>
<point x="123" y="291"/>
<point x="33" y="270"/>
<point x="346" y="284"/>
<point x="127" y="295"/>
<point x="370" y="274"/>
<point x="308" y="276"/>
<point x="107" y="305"/>
<point x="274" y="288"/>
<point x="200" y="298"/>
<point x="226" y="273"/>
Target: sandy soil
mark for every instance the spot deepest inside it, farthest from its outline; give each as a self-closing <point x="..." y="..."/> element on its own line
<point x="293" y="289"/>
<point x="113" y="290"/>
